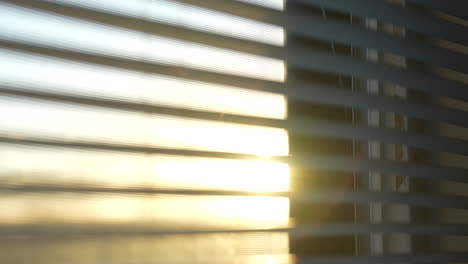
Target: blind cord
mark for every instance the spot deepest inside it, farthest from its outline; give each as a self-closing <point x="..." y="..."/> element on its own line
<point x="340" y="85"/>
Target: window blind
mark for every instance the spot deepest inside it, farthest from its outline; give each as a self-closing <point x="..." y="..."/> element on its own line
<point x="200" y="131"/>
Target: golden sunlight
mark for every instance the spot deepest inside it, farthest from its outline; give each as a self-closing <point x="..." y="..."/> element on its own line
<point x="70" y="122"/>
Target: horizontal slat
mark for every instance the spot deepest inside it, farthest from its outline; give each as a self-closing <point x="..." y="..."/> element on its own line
<point x="302" y="24"/>
<point x="310" y="92"/>
<point x="360" y="69"/>
<point x="311" y="196"/>
<point x="360" y="37"/>
<point x="295" y="232"/>
<point x="408" y="18"/>
<point x="298" y="90"/>
<point x="312" y="60"/>
<point x="406" y="258"/>
<point x="311" y="161"/>
<point x="413" y="199"/>
<point x="457" y="8"/>
<point x="5" y="187"/>
<point x="346" y="65"/>
<point x="305" y="127"/>
<point x="388" y="168"/>
<point x="133" y="149"/>
<point x="456" y="117"/>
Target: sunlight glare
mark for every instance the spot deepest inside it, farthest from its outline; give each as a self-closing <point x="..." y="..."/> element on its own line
<point x="73" y="122"/>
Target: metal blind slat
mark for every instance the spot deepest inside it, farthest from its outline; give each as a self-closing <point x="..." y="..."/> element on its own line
<point x="298" y="23"/>
<point x="310" y="60"/>
<point x="310" y="161"/>
<point x="305" y="127"/>
<point x="451" y="116"/>
<point x="416" y="258"/>
<point x="410" y="19"/>
<point x="313" y="196"/>
<point x="454" y="7"/>
<point x="295" y="232"/>
<point x="314" y="93"/>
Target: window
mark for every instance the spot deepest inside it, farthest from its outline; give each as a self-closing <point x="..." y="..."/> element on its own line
<point x="233" y="131"/>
